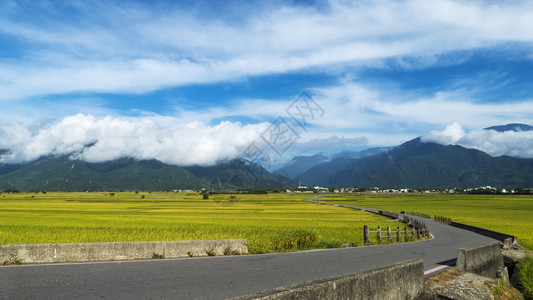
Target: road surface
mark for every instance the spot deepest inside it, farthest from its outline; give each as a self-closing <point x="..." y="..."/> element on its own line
<point x="224" y="276"/>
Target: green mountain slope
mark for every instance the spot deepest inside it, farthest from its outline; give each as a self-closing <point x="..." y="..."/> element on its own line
<point x="61" y="173"/>
<point x="418" y="164"/>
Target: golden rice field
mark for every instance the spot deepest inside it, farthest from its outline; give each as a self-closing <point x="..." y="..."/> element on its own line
<point x="270" y="223"/>
<point x="511" y="214"/>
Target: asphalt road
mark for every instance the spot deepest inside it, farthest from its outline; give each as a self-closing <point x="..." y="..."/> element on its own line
<point x="224" y="276"/>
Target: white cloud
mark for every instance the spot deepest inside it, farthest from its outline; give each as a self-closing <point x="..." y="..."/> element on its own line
<point x="173" y="47"/>
<point x="334" y="141"/>
<point x="391" y="116"/>
<point x="383" y="116"/>
<point x="101" y="139"/>
<point x="167" y="47"/>
<point x="448" y="136"/>
<point x="494" y="143"/>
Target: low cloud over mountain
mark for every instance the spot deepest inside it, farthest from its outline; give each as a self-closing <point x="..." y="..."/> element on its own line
<point x="496" y="141"/>
<point x="94" y="139"/>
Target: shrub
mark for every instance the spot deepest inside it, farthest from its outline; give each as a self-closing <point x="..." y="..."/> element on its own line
<point x="157" y="256"/>
<point x="227" y="251"/>
<point x="14" y="261"/>
<point x="211" y="252"/>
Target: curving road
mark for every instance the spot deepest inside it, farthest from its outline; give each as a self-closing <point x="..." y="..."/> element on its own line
<point x="224" y="276"/>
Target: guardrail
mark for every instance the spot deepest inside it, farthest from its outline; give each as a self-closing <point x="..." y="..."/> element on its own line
<point x="418" y="229"/>
<point x="408" y="234"/>
<point x="399" y="281"/>
<point x="414" y="213"/>
<point x="82" y="252"/>
<point x="507" y="239"/>
<point x="443" y="219"/>
<point x="502" y="237"/>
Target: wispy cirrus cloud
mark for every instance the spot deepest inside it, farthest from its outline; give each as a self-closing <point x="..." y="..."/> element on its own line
<point x="58" y="60"/>
<point x="136" y="48"/>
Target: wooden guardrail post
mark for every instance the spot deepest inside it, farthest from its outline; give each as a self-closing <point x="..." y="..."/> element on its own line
<point x="406" y="235"/>
<point x="398" y="234"/>
<point x="366" y="235"/>
<point x="389" y="236"/>
<point x="414" y="231"/>
<point x="379" y="234"/>
<point x="418" y="233"/>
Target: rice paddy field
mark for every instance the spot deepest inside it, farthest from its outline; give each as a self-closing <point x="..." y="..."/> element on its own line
<point x="270" y="222"/>
<point x="511" y="214"/>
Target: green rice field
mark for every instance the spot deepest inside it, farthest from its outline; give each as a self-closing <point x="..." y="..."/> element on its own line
<point x="511" y="214"/>
<point x="270" y="222"/>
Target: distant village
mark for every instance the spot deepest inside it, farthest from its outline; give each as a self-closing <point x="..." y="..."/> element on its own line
<point x="376" y="190"/>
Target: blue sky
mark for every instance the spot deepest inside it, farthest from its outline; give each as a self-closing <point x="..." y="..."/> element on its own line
<point x="199" y="82"/>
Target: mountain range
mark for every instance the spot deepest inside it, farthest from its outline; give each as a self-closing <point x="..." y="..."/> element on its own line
<point x="511" y="127"/>
<point x="300" y="164"/>
<point x="62" y="173"/>
<point x="416" y="164"/>
<point x="413" y="164"/>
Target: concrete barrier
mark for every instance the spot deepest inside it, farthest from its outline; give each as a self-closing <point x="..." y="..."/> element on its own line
<point x="80" y="252"/>
<point x="399" y="281"/>
<point x="490" y="233"/>
<point x="484" y="260"/>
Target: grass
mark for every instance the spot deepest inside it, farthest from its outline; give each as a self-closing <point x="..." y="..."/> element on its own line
<point x="443" y="277"/>
<point x="270" y="223"/>
<point x="525" y="278"/>
<point x="511" y="214"/>
<point x="503" y="290"/>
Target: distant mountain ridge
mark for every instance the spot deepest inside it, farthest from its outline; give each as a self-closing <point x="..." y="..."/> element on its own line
<point x="517" y="127"/>
<point x="300" y="164"/>
<point x="62" y="173"/>
<point x="417" y="164"/>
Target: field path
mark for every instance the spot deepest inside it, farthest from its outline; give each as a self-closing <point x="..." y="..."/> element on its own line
<point x="224" y="276"/>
